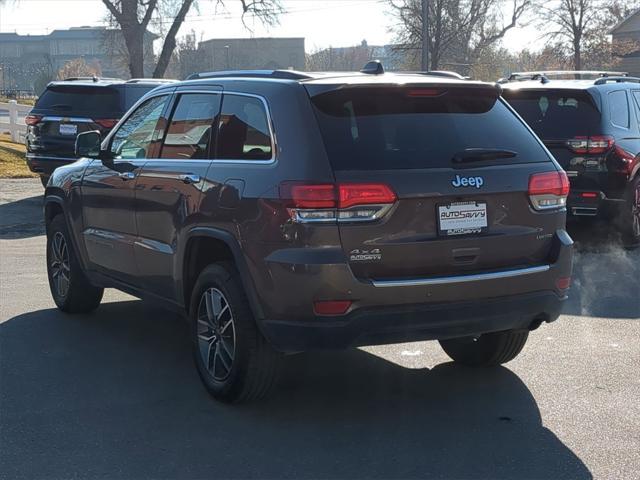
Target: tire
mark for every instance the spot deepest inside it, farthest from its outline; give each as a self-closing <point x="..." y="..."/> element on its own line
<point x="234" y="361"/>
<point x="44" y="179"/>
<point x="488" y="350"/>
<point x="630" y="217"/>
<point x="70" y="288"/>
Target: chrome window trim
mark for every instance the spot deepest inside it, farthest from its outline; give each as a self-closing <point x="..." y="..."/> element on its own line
<point x="461" y="278"/>
<point x="238" y="161"/>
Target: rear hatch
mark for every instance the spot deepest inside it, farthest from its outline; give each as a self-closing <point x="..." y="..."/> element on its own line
<point x="459" y="163"/>
<point x="64" y="111"/>
<point x="569" y="123"/>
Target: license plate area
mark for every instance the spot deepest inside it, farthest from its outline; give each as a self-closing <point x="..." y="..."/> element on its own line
<point x="462" y="218"/>
<point x="68" y="129"/>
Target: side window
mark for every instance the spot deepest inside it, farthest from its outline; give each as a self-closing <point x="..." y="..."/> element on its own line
<point x="133" y="139"/>
<point x="619" y="108"/>
<point x="243" y="129"/>
<point x="189" y="132"/>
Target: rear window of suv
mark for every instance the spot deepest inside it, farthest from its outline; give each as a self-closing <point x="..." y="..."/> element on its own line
<point x="413" y="128"/>
<point x="69" y="100"/>
<point x="556" y="115"/>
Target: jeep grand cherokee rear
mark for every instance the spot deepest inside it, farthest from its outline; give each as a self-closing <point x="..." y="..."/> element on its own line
<point x="449" y="217"/>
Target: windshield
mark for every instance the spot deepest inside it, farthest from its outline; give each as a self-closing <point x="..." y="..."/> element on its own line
<point x="93" y="101"/>
<point x="408" y="128"/>
<point x="556" y="115"/>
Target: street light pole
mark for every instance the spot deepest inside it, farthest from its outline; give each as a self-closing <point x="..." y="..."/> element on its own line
<point x="425" y="35"/>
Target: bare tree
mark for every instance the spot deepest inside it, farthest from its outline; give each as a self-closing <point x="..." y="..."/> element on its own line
<point x="135" y="16"/>
<point x="78" y="67"/>
<point x="458" y="29"/>
<point x="572" y="21"/>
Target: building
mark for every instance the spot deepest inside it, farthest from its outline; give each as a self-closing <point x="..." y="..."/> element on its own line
<point x="267" y="53"/>
<point x="23" y="58"/>
<point x="355" y="57"/>
<point x="628" y="32"/>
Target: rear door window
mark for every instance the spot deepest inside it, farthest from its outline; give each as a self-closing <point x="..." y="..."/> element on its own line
<point x="407" y="128"/>
<point x="68" y="100"/>
<point x="189" y="134"/>
<point x="619" y="108"/>
<point x="243" y="132"/>
<point x="560" y="115"/>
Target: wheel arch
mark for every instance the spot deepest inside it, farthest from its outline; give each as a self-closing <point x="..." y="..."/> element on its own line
<point x="223" y="246"/>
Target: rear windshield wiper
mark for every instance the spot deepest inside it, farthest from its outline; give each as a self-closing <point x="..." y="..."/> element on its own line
<point x="61" y="106"/>
<point x="481" y="155"/>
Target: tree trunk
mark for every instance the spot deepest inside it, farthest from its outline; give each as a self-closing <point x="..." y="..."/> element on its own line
<point x="577" y="57"/>
<point x="169" y="44"/>
<point x="134" y="39"/>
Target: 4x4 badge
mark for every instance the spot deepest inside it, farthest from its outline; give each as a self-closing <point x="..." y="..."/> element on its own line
<point x="358" y="255"/>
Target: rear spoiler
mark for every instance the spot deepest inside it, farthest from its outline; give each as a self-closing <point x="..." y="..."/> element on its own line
<point x="489" y="89"/>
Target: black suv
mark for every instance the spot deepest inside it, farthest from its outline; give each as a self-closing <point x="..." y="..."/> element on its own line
<point x="287" y="211"/>
<point x="590" y="121"/>
<point x="72" y="106"/>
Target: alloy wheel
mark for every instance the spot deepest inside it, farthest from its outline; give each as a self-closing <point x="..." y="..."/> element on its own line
<point x="60" y="267"/>
<point x="635" y="212"/>
<point x="216" y="334"/>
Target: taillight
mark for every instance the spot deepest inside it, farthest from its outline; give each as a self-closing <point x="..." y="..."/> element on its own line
<point x="591" y="145"/>
<point x="344" y="202"/>
<point x="626" y="158"/>
<point x="32" y="120"/>
<point x="107" y="122"/>
<point x="548" y="190"/>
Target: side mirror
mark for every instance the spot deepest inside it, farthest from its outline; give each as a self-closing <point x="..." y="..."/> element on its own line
<point x="88" y="144"/>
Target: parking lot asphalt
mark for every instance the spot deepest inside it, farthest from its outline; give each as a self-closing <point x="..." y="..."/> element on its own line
<point x="114" y="394"/>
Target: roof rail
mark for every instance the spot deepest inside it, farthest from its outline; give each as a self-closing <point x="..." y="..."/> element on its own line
<point x="444" y="73"/>
<point x="91" y="79"/>
<point x="578" y="74"/>
<point x="604" y="80"/>
<point x="151" y="80"/>
<point x="280" y="74"/>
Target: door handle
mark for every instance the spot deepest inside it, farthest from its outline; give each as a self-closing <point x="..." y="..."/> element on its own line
<point x="127" y="176"/>
<point x="190" y="178"/>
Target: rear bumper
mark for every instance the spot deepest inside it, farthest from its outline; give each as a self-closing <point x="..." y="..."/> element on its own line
<point x="596" y="204"/>
<point x="46" y="164"/>
<point x="405" y="309"/>
<point x="411" y="323"/>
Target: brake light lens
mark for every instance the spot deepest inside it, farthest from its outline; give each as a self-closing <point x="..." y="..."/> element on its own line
<point x="548" y="190"/>
<point x="32" y="120"/>
<point x="425" y="92"/>
<point x="591" y="145"/>
<point x="351" y="194"/>
<point x="107" y="122"/>
<point x="344" y="202"/>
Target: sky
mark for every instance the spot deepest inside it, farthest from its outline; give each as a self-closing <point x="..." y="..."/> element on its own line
<point x="323" y="23"/>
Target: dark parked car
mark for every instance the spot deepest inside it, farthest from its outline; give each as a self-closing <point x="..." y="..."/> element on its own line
<point x="592" y="127"/>
<point x="286" y="211"/>
<point x="72" y="106"/>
